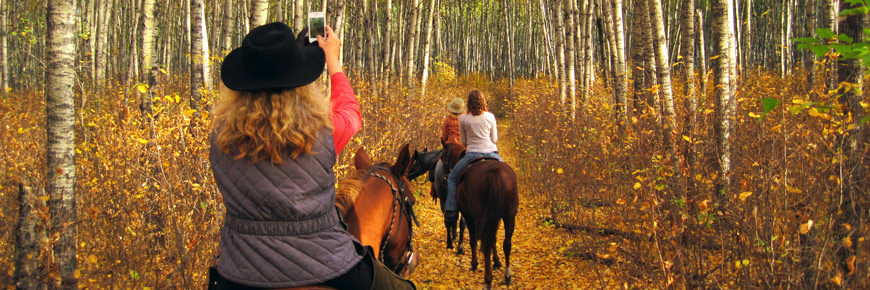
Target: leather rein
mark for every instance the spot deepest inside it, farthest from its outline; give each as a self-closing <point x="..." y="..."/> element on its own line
<point x="401" y="205"/>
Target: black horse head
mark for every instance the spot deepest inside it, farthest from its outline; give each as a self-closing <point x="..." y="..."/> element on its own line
<point x="422" y="162"/>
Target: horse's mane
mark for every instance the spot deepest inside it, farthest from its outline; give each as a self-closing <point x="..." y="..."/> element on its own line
<point x="348" y="190"/>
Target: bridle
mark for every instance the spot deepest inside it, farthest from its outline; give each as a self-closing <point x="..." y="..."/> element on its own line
<point x="401" y="205"/>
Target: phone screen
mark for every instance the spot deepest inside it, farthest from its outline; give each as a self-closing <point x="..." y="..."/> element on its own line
<point x="316" y="25"/>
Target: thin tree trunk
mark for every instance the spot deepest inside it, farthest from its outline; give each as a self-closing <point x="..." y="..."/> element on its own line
<point x="702" y="56"/>
<point x="637" y="53"/>
<point x="831" y="12"/>
<point x="4" y="57"/>
<point x="621" y="84"/>
<point x="259" y="12"/>
<point x="663" y="67"/>
<point x="60" y="144"/>
<point x="810" y="58"/>
<point x="747" y="35"/>
<point x="30" y="234"/>
<point x="651" y="76"/>
<point x="570" y="56"/>
<point x="229" y="25"/>
<point x="427" y="45"/>
<point x="688" y="50"/>
<point x="197" y="75"/>
<point x="411" y="42"/>
<point x="724" y="96"/>
<point x="299" y="17"/>
<point x="785" y="57"/>
<point x="101" y="55"/>
<point x="560" y="50"/>
<point x="853" y="205"/>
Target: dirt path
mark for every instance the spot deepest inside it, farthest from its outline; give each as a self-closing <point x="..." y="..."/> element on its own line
<point x="540" y="257"/>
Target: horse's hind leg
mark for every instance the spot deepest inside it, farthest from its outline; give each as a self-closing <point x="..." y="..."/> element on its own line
<point x="472" y="239"/>
<point x="508" y="234"/>
<point x="488" y="250"/>
<point x="461" y="236"/>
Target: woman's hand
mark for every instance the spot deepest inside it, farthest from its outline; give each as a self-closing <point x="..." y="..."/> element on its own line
<point x="331" y="46"/>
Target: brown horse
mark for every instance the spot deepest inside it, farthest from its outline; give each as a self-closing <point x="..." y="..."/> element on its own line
<point x="376" y="202"/>
<point x="487" y="193"/>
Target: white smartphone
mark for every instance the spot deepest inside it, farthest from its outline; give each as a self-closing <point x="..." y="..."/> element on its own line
<point x="316" y="23"/>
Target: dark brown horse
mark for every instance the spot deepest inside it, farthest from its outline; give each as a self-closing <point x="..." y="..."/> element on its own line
<point x="487" y="194"/>
<point x="376" y="202"/>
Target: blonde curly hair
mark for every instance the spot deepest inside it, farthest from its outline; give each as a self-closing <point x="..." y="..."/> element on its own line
<point x="268" y="124"/>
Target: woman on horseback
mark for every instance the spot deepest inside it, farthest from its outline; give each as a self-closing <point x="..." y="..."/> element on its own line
<point x="273" y="148"/>
<point x="450" y="129"/>
<point x="479" y="132"/>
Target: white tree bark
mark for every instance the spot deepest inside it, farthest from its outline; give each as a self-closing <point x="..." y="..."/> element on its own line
<point x="60" y="143"/>
<point x="722" y="41"/>
<point x="259" y="12"/>
<point x="299" y="16"/>
<point x="427" y="45"/>
<point x="4" y="57"/>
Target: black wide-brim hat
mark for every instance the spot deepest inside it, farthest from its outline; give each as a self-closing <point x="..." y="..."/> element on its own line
<point x="271" y="58"/>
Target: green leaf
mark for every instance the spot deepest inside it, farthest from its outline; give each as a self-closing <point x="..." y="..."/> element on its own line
<point x="768" y="104"/>
<point x="867" y="31"/>
<point x="819" y="50"/>
<point x="825" y="33"/>
<point x="864" y="120"/>
<point x="845" y="38"/>
<point x="805" y="40"/>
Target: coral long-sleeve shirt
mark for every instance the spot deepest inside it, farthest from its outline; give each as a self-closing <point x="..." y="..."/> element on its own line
<point x="346" y="118"/>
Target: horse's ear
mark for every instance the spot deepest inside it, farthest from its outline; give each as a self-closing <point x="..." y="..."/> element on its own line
<point x="403" y="162"/>
<point x="361" y="159"/>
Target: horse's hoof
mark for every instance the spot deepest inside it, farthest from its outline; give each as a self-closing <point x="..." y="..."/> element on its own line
<point x="473" y="268"/>
<point x="449" y="246"/>
<point x="460" y="251"/>
<point x="496" y="266"/>
<point x="487" y="287"/>
<point x="507" y="276"/>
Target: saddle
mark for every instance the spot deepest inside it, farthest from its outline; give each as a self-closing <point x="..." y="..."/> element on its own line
<point x="473" y="161"/>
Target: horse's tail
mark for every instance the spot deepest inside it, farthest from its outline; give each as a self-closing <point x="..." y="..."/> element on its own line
<point x="495" y="197"/>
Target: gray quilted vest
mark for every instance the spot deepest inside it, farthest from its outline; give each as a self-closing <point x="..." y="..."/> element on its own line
<point x="281" y="228"/>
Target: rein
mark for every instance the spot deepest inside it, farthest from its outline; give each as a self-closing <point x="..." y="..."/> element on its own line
<point x="401" y="204"/>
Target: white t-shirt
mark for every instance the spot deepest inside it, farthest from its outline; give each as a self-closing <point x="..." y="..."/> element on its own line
<point x="479" y="133"/>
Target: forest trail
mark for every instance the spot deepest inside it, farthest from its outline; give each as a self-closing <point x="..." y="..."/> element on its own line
<point x="541" y="257"/>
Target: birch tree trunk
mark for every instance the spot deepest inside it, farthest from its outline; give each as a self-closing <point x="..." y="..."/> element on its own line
<point x="101" y="55"/>
<point x="831" y="12"/>
<point x="688" y="54"/>
<point x="722" y="34"/>
<point x="747" y="35"/>
<point x="411" y="42"/>
<point x="228" y="25"/>
<point x="663" y="67"/>
<point x="570" y="40"/>
<point x="60" y="144"/>
<point x="853" y="205"/>
<point x="621" y="85"/>
<point x="560" y="50"/>
<point x="30" y="235"/>
<point x="651" y="76"/>
<point x="427" y="45"/>
<point x="809" y="61"/>
<point x="388" y="36"/>
<point x="259" y="12"/>
<point x="299" y="17"/>
<point x="4" y="57"/>
<point x="149" y="47"/>
<point x="785" y="57"/>
<point x="197" y="73"/>
<point x="637" y="53"/>
<point x="702" y="55"/>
